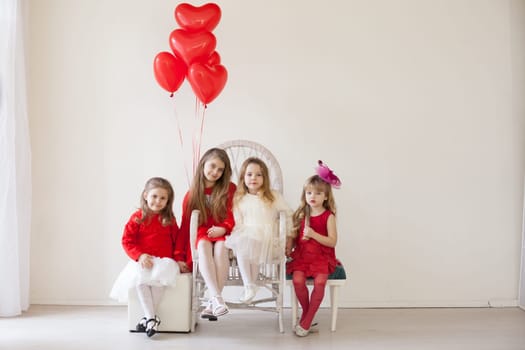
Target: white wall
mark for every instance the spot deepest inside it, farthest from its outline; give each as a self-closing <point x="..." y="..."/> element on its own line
<point x="417" y="105"/>
<point x="518" y="31"/>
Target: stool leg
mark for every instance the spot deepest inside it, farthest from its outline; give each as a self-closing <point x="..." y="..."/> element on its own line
<point x="294" y="306"/>
<point x="334" y="304"/>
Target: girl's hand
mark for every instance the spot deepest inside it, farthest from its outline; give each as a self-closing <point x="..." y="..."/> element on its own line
<point x="183" y="267"/>
<point x="288" y="251"/>
<point x="216" y="231"/>
<point x="308" y="233"/>
<point x="146" y="261"/>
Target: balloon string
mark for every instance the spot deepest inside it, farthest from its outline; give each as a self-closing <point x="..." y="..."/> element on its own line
<point x="197" y="135"/>
<point x="194" y="139"/>
<point x="202" y="111"/>
<point x="183" y="148"/>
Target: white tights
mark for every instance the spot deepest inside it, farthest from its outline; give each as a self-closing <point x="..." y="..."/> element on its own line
<point x="213" y="265"/>
<point x="149" y="297"/>
<point x="249" y="271"/>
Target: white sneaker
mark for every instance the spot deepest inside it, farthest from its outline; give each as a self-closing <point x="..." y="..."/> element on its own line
<point x="249" y="294"/>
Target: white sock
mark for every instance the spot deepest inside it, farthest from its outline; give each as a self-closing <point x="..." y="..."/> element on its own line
<point x="222" y="264"/>
<point x="146" y="300"/>
<point x="157" y="292"/>
<point x="207" y="266"/>
<point x="245" y="270"/>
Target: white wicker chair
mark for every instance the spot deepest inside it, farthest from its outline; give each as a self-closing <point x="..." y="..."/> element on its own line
<point x="271" y="277"/>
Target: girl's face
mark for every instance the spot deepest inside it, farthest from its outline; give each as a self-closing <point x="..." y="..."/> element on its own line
<point x="253" y="178"/>
<point x="156" y="199"/>
<point x="213" y="170"/>
<point x="314" y="197"/>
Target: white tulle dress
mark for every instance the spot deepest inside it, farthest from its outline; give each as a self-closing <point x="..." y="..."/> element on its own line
<point x="163" y="273"/>
<point x="255" y="235"/>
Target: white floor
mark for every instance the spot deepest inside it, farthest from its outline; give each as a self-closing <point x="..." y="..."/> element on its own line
<point x="94" y="328"/>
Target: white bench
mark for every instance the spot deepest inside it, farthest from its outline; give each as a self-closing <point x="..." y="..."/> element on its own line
<point x="333" y="284"/>
<point x="174" y="309"/>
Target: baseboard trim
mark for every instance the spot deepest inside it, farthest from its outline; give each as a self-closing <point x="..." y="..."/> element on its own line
<point x="496" y="303"/>
<point x="76" y="302"/>
<point x="430" y="304"/>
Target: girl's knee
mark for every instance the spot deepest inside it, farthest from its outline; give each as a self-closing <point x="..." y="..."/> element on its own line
<point x="320" y="280"/>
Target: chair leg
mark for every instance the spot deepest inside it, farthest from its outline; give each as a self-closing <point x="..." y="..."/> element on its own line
<point x="334" y="304"/>
<point x="280" y="305"/>
<point x="197" y="294"/>
<point x="194" y="306"/>
<point x="294" y="306"/>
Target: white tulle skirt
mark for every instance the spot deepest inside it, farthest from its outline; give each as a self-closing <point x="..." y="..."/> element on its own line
<point x="163" y="273"/>
<point x="254" y="243"/>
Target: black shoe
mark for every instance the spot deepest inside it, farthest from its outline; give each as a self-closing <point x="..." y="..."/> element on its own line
<point x="151" y="326"/>
<point x="141" y="326"/>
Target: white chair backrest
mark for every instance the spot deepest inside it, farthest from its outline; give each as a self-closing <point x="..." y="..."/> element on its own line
<point x="239" y="150"/>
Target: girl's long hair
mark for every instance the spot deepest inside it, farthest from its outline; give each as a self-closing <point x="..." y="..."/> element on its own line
<point x="166" y="216"/>
<point x="217" y="206"/>
<point x="265" y="192"/>
<point x="313" y="183"/>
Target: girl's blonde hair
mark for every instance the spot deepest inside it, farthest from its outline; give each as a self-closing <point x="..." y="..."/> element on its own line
<point x="314" y="183"/>
<point x="166" y="216"/>
<point x="217" y="206"/>
<point x="265" y="192"/>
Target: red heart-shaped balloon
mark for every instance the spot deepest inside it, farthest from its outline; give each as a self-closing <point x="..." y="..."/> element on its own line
<point x="214" y="59"/>
<point x="192" y="47"/>
<point x="206" y="81"/>
<point x="169" y="71"/>
<point x="193" y="19"/>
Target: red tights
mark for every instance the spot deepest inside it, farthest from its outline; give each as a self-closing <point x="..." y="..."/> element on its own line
<point x="309" y="305"/>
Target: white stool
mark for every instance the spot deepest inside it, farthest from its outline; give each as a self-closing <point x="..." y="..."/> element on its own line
<point x="174" y="309"/>
<point x="334" y="299"/>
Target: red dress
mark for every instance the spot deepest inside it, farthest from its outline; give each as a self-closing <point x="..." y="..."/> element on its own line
<point x="149" y="237"/>
<point x="182" y="245"/>
<point x="310" y="256"/>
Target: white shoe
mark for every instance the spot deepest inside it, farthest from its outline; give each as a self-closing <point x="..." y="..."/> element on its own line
<point x="208" y="311"/>
<point x="219" y="306"/>
<point x="301" y="332"/>
<point x="249" y="294"/>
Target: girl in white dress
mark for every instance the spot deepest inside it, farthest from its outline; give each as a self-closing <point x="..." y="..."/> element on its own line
<point x="256" y="210"/>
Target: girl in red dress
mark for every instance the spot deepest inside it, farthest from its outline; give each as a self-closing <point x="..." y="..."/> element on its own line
<point x="148" y="239"/>
<point x="211" y="192"/>
<point x="312" y="246"/>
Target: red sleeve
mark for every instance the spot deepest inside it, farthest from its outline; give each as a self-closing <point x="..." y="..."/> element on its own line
<point x="130" y="237"/>
<point x="182" y="251"/>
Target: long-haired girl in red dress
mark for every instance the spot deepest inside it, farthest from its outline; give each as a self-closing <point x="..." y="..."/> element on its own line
<point x="312" y="246"/>
<point x="211" y="192"/>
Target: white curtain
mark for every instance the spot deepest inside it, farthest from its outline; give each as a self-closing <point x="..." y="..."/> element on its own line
<point x="15" y="163"/>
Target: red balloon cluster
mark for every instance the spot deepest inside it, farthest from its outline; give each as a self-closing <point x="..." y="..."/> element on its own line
<point x="194" y="55"/>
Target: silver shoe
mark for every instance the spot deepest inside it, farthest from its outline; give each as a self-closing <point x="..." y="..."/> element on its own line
<point x="301" y="332"/>
<point x="208" y="311"/>
<point x="219" y="306"/>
